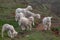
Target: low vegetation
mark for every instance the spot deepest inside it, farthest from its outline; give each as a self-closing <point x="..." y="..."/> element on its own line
<point x="7" y="10"/>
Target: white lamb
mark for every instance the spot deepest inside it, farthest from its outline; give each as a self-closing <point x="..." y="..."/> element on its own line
<point x="47" y="23"/>
<point x="32" y="19"/>
<point x="24" y="22"/>
<point x="29" y="13"/>
<point x="23" y="10"/>
<point x="28" y="8"/>
<point x="11" y="31"/>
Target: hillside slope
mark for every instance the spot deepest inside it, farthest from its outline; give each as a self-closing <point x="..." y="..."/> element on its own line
<point x="44" y="7"/>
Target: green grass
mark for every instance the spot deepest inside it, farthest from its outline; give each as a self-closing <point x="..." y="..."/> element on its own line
<point x="33" y="35"/>
<point x="7" y="9"/>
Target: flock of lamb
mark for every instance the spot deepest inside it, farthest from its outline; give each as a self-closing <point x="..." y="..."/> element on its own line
<point x="25" y="19"/>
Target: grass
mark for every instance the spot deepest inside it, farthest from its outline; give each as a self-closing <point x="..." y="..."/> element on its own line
<point x="7" y="9"/>
<point x="33" y="35"/>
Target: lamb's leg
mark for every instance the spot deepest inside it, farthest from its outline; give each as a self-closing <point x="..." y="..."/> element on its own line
<point x="16" y="18"/>
<point x="9" y="33"/>
<point x="12" y="36"/>
<point x="33" y="23"/>
<point x="49" y="26"/>
<point x="19" y="23"/>
<point x="30" y="27"/>
<point x="45" y="27"/>
<point x="3" y="32"/>
<point x="22" y="27"/>
<point x="27" y="27"/>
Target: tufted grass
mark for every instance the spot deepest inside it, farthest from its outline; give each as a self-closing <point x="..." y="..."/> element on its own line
<point x="33" y="35"/>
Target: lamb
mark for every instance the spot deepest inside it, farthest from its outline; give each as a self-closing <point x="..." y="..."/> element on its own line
<point x="47" y="23"/>
<point x="29" y="13"/>
<point x="11" y="31"/>
<point x="24" y="22"/>
<point x="23" y="10"/>
<point x="32" y="19"/>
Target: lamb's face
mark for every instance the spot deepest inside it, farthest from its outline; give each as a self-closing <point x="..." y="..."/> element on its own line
<point x="29" y="7"/>
<point x="50" y="18"/>
<point x="38" y="16"/>
<point x="15" y="34"/>
<point x="21" y="15"/>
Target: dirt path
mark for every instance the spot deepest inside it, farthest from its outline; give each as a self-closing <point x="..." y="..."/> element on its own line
<point x="40" y="26"/>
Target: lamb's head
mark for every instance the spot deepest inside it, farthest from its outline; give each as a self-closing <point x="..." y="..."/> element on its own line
<point x="29" y="7"/>
<point x="37" y="16"/>
<point x="50" y="18"/>
<point x="31" y="18"/>
<point x="15" y="33"/>
<point x="22" y="14"/>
